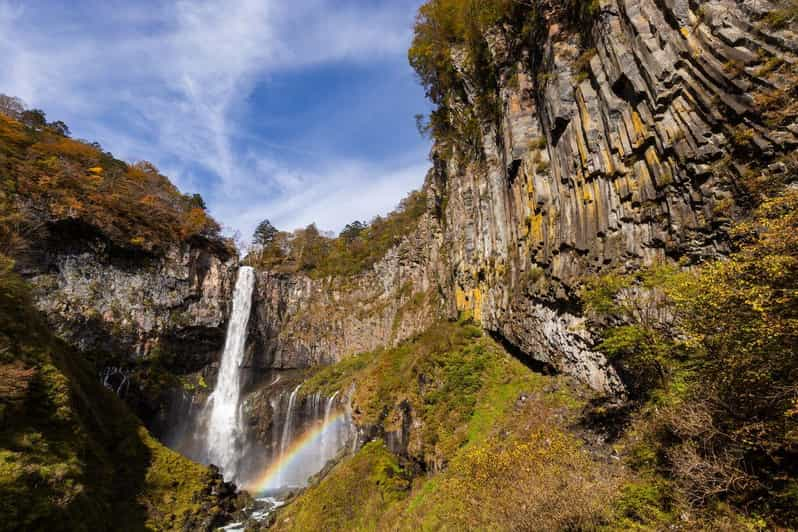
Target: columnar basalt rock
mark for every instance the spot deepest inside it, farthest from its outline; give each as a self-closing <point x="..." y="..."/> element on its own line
<point x="618" y="145"/>
<point x="613" y="154"/>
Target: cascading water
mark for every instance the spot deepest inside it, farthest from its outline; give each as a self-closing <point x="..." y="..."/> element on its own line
<point x="225" y="425"/>
<point x="288" y="430"/>
<point x="307" y="432"/>
<point x="329" y="441"/>
<point x="288" y="424"/>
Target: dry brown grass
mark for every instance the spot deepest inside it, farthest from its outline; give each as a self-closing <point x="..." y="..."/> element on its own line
<point x="529" y="474"/>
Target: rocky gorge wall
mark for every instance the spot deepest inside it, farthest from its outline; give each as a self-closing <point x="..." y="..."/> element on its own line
<point x="299" y="321"/>
<point x="617" y="146"/>
<point x="136" y="316"/>
<point x="98" y="300"/>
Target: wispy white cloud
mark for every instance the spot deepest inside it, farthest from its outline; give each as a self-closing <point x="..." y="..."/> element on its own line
<point x="343" y="192"/>
<point x="177" y="74"/>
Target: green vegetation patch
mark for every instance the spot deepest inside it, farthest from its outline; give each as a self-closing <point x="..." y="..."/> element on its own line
<point x="354" y="496"/>
<point x="711" y="354"/>
<point x="488" y="446"/>
<point x="356" y="249"/>
<point x="785" y="14"/>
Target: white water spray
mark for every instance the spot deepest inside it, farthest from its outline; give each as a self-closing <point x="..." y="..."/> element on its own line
<point x="225" y="426"/>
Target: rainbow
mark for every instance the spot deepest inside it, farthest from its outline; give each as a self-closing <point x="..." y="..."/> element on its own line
<point x="311" y="437"/>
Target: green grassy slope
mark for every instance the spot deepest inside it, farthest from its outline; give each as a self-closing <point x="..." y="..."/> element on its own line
<point x="489" y="446"/>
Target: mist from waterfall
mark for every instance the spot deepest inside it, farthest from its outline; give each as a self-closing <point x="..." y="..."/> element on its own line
<point x="225" y="428"/>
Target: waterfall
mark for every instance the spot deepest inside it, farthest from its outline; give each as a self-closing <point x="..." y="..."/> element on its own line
<point x="288" y="424"/>
<point x="306" y="432"/>
<point x="328" y="440"/>
<point x="276" y="403"/>
<point x="225" y="426"/>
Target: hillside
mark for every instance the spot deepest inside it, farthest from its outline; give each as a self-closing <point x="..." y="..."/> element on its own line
<point x="74" y="457"/>
<point x="462" y="437"/>
<point x="50" y="179"/>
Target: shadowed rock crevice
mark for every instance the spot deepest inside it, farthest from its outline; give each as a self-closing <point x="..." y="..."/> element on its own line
<point x="538" y="366"/>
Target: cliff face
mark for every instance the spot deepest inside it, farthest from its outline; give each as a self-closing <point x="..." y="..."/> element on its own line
<point x="619" y="144"/>
<point x="124" y="266"/>
<point x="299" y="321"/>
<point x="143" y="320"/>
<point x="624" y="151"/>
<point x="101" y="299"/>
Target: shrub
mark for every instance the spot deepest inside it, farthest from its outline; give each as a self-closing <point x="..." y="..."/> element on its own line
<point x="741" y="315"/>
<point x="640" y="354"/>
<point x="712" y="349"/>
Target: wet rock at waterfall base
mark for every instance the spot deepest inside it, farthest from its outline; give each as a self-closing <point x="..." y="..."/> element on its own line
<point x="219" y="503"/>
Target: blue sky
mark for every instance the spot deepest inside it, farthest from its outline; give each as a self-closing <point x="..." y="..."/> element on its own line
<point x="298" y="111"/>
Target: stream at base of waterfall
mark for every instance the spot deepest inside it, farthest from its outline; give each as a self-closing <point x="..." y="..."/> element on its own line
<point x="306" y="432"/>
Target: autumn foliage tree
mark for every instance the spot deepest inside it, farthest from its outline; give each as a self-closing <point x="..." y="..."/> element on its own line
<point x="11" y="106"/>
<point x="49" y="177"/>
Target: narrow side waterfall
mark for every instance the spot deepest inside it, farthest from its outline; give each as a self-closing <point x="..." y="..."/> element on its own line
<point x="288" y="424"/>
<point x="225" y="424"/>
<point x="307" y="432"/>
<point x="330" y="439"/>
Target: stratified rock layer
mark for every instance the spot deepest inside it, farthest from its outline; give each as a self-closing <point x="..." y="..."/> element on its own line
<point x="128" y="306"/>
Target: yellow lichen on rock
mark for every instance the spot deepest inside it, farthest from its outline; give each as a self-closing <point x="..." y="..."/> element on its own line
<point x="469" y="302"/>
